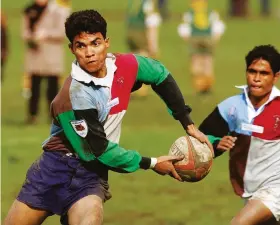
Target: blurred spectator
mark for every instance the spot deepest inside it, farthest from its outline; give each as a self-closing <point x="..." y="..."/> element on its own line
<point x="202" y="29"/>
<point x="43" y="33"/>
<point x="265" y="7"/>
<point x="163" y="9"/>
<point x="4" y="43"/>
<point x="238" y="8"/>
<point x="143" y="20"/>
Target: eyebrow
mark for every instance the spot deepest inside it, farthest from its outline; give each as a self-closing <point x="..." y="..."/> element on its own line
<point x="260" y="71"/>
<point x="94" y="40"/>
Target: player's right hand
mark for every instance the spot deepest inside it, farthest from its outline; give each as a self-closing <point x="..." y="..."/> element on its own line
<point x="165" y="166"/>
<point x="193" y="131"/>
<point x="226" y="143"/>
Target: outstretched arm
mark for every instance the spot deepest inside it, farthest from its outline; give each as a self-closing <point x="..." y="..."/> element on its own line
<point x="152" y="72"/>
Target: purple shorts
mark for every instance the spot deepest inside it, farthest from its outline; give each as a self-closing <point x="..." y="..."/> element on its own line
<point x="56" y="181"/>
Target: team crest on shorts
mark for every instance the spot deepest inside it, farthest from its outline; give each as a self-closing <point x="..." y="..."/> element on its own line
<point x="80" y="127"/>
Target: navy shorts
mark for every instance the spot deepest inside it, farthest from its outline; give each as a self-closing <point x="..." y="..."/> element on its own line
<point x="56" y="181"/>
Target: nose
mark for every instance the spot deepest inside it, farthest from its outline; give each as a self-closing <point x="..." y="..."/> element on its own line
<point x="257" y="77"/>
<point x="90" y="51"/>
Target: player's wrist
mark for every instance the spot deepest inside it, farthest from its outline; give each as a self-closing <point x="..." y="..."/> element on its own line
<point x="153" y="162"/>
<point x="147" y="163"/>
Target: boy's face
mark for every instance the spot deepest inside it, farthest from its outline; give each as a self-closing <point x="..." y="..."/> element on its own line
<point x="90" y="51"/>
<point x="260" y="78"/>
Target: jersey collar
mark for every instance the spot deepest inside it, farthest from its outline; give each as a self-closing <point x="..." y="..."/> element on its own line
<point x="252" y="112"/>
<point x="79" y="74"/>
<point x="275" y="92"/>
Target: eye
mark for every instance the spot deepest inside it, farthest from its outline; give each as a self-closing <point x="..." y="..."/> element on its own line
<point x="96" y="43"/>
<point x="265" y="73"/>
<point x="252" y="71"/>
<point x="80" y="46"/>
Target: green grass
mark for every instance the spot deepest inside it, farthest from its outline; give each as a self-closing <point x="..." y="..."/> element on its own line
<point x="142" y="197"/>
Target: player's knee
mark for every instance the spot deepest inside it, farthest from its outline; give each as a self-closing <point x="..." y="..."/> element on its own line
<point x="93" y="218"/>
<point x="90" y="216"/>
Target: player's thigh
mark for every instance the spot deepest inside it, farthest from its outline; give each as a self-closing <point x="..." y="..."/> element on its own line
<point x="254" y="213"/>
<point x="22" y="214"/>
<point x="86" y="211"/>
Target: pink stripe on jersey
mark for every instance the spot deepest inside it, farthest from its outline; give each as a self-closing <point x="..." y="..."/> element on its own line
<point x="270" y="120"/>
<point x="124" y="79"/>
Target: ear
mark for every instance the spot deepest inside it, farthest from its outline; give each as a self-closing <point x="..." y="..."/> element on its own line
<point x="276" y="77"/>
<point x="70" y="46"/>
<point x="107" y="42"/>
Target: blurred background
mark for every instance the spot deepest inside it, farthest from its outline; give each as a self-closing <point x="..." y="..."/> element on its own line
<point x="142" y="197"/>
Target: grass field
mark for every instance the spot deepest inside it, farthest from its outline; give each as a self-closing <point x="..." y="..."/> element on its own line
<point x="143" y="197"/>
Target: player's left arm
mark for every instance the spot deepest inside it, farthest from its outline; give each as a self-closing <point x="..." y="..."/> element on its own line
<point x="217" y="130"/>
<point x="154" y="73"/>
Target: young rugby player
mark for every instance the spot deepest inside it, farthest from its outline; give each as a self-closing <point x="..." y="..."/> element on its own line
<point x="249" y="126"/>
<point x="71" y="176"/>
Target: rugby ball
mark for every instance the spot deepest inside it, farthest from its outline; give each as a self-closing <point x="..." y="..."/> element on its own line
<point x="198" y="158"/>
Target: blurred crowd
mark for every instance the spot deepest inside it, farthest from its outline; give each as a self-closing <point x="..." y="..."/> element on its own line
<point x="43" y="36"/>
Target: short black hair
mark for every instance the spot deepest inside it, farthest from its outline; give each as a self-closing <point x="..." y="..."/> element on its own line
<point x="266" y="52"/>
<point x="89" y="21"/>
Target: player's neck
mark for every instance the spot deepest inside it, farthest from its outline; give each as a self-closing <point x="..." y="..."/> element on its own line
<point x="100" y="73"/>
<point x="257" y="102"/>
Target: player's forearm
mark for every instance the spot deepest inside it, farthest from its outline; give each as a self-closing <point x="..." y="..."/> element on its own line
<point x="209" y="127"/>
<point x="123" y="160"/>
<point x="169" y="91"/>
<point x="94" y="145"/>
<point x="215" y="141"/>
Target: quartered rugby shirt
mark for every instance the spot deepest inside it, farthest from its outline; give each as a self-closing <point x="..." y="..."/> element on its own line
<point x="255" y="158"/>
<point x="88" y="111"/>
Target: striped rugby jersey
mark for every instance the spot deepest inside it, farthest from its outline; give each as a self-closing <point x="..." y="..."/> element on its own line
<point x="255" y="159"/>
<point x="88" y="111"/>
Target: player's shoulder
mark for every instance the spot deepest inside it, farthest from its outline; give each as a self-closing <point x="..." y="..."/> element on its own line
<point x="124" y="59"/>
<point x="118" y="55"/>
<point x="235" y="100"/>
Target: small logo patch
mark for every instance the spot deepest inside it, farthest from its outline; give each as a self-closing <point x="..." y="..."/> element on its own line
<point x="80" y="127"/>
<point x="277" y="122"/>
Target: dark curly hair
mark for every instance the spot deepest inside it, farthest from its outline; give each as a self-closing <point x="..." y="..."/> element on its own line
<point x="89" y="21"/>
<point x="266" y="52"/>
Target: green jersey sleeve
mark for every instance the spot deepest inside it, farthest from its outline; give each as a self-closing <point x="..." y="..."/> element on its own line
<point x="95" y="145"/>
<point x="150" y="71"/>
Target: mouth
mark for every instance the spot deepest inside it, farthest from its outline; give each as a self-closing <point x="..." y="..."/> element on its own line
<point x="92" y="62"/>
<point x="255" y="87"/>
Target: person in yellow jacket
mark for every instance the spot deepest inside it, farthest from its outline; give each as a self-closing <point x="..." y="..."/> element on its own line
<point x="202" y="29"/>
